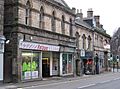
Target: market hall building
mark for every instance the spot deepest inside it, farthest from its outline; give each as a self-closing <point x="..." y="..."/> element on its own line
<point x="41" y="39"/>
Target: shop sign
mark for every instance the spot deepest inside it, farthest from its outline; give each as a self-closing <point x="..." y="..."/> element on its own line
<point x="67" y="49"/>
<point x="82" y="53"/>
<point x="89" y="54"/>
<point x="27" y="75"/>
<point x="34" y="74"/>
<point x="36" y="46"/>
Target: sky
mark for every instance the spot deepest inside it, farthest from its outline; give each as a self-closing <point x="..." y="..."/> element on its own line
<point x="108" y="10"/>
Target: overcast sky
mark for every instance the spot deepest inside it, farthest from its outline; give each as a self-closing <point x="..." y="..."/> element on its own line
<point x="107" y="9"/>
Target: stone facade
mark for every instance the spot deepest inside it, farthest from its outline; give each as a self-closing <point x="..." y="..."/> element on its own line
<point x="16" y="30"/>
<point x="46" y="34"/>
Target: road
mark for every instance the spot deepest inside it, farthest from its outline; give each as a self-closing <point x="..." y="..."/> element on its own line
<point x="103" y="81"/>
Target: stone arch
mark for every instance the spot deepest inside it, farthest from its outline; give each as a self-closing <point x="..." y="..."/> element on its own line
<point x="30" y="2"/>
<point x="89" y="37"/>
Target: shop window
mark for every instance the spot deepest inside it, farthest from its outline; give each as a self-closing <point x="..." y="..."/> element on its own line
<point x="64" y="63"/>
<point x="30" y="65"/>
<point x="67" y="63"/>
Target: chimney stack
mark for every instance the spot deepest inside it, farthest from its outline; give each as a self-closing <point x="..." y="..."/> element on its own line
<point x="101" y="26"/>
<point x="97" y="20"/>
<point x="90" y="13"/>
<point x="74" y="10"/>
<point x="79" y="14"/>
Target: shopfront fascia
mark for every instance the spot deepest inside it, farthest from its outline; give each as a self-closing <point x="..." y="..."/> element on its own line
<point x="37" y="60"/>
<point x="66" y="60"/>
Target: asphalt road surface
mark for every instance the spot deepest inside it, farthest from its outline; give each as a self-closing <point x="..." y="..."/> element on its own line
<point x="103" y="81"/>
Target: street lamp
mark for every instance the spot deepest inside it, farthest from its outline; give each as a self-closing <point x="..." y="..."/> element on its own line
<point x="117" y="62"/>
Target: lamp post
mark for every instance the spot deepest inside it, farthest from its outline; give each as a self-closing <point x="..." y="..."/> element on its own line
<point x="117" y="62"/>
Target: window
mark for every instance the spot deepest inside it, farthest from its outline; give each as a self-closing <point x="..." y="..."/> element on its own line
<point x="84" y="41"/>
<point x="41" y="18"/>
<point x="63" y="25"/>
<point x="89" y="42"/>
<point x="71" y="29"/>
<point x="77" y="39"/>
<point x="30" y="65"/>
<point x="53" y="24"/>
<point x="67" y="63"/>
<point x="28" y="14"/>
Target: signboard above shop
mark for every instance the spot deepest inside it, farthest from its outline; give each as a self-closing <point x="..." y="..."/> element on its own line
<point x="82" y="53"/>
<point x="67" y="49"/>
<point x="37" y="46"/>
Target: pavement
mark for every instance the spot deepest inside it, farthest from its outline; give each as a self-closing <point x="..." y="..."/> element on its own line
<point x="45" y="81"/>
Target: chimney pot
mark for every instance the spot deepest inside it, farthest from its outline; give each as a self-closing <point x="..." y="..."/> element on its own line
<point x="74" y="10"/>
<point x="90" y="13"/>
<point x="79" y="14"/>
<point x="97" y="20"/>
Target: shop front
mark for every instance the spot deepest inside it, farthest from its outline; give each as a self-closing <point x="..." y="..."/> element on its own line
<point x="66" y="60"/>
<point x="38" y="60"/>
<point x="88" y="63"/>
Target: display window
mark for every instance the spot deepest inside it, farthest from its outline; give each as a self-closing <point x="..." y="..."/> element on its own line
<point x="30" y="65"/>
<point x="55" y="64"/>
<point x="67" y="63"/>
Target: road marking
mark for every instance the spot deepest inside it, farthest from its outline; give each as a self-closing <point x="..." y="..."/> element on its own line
<point x="86" y="86"/>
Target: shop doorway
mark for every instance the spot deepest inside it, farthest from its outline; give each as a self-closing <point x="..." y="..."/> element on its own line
<point x="45" y="67"/>
<point x="87" y="66"/>
<point x="46" y="64"/>
<point x="78" y="67"/>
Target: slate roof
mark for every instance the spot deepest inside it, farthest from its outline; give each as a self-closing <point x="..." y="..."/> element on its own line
<point x="62" y="2"/>
<point x="82" y="23"/>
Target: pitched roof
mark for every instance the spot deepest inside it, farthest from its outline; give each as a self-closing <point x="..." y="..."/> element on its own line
<point x="62" y="2"/>
<point x="82" y="23"/>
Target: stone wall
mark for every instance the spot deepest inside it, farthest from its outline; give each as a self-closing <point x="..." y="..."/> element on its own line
<point x="48" y="9"/>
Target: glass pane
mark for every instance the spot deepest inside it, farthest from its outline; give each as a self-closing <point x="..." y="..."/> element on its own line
<point x="64" y="57"/>
<point x="69" y="63"/>
<point x="26" y="65"/>
<point x="35" y="65"/>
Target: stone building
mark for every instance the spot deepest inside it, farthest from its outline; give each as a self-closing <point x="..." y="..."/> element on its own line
<point x="2" y="39"/>
<point x="100" y="39"/>
<point x="47" y="38"/>
<point x="42" y="42"/>
<point x="84" y="43"/>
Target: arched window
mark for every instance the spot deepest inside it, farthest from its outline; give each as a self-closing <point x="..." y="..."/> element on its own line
<point x="28" y="13"/>
<point x="53" y="23"/>
<point x="70" y="28"/>
<point x="84" y="41"/>
<point x="89" y="43"/>
<point x="41" y="18"/>
<point x="77" y="39"/>
<point x="63" y="24"/>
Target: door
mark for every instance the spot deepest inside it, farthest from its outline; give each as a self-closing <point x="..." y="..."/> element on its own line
<point x="45" y="67"/>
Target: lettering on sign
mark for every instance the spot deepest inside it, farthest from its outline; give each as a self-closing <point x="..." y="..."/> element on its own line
<point x="36" y="46"/>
